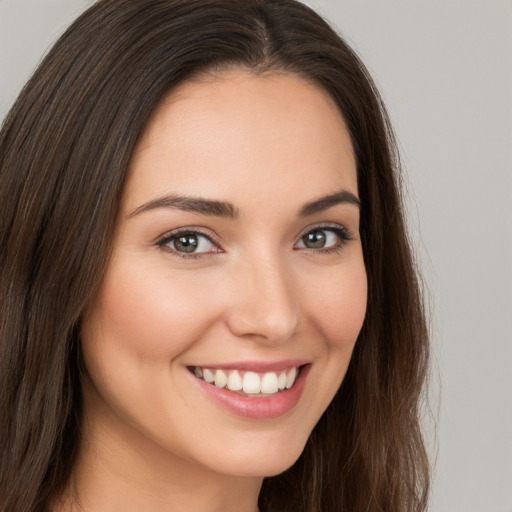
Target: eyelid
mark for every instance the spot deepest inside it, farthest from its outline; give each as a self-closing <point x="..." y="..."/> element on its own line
<point x="338" y="228"/>
<point x="341" y="231"/>
<point x="170" y="235"/>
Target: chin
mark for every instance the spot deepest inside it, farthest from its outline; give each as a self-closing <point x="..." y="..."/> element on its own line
<point x="261" y="459"/>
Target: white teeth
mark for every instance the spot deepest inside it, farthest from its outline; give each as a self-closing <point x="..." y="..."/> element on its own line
<point x="290" y="378"/>
<point x="281" y="381"/>
<point x="235" y="381"/>
<point x="208" y="375"/>
<point x="220" y="379"/>
<point x="269" y="383"/>
<point x="252" y="383"/>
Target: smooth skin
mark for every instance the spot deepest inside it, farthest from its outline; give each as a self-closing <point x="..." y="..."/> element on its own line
<point x="254" y="288"/>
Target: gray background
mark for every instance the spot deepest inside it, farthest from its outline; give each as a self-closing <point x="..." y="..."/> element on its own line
<point x="444" y="69"/>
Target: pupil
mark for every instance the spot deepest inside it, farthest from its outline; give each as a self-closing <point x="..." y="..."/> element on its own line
<point x="186" y="243"/>
<point x="315" y="239"/>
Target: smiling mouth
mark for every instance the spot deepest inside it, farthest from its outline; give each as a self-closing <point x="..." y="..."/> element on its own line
<point x="249" y="383"/>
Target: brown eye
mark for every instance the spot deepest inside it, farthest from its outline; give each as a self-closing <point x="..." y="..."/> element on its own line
<point x="189" y="242"/>
<point x="324" y="239"/>
<point x="315" y="239"/>
<point x="186" y="243"/>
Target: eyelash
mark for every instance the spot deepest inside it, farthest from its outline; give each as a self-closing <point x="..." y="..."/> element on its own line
<point x="173" y="235"/>
<point x="343" y="234"/>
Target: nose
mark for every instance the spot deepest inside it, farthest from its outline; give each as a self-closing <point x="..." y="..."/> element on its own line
<point x="263" y="304"/>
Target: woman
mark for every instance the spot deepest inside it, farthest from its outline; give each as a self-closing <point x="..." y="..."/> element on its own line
<point x="208" y="298"/>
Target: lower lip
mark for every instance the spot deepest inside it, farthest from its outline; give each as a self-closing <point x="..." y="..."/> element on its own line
<point x="257" y="408"/>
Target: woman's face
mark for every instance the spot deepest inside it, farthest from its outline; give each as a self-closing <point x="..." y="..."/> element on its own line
<point x="237" y="258"/>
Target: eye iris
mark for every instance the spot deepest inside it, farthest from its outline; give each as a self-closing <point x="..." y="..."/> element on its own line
<point x="186" y="243"/>
<point x="315" y="239"/>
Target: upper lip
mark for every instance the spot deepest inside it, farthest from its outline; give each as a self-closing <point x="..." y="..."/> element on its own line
<point x="257" y="366"/>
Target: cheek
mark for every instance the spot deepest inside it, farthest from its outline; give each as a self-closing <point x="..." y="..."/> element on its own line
<point x="339" y="308"/>
<point x="334" y="309"/>
<point x="147" y="314"/>
<point x="141" y="323"/>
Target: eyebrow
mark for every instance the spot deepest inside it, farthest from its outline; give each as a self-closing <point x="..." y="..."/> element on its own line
<point x="224" y="209"/>
<point x="190" y="204"/>
<point x="326" y="202"/>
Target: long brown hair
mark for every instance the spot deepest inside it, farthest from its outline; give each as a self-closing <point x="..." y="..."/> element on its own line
<point x="64" y="150"/>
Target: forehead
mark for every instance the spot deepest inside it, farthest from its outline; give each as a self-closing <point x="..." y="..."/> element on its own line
<point x="236" y="135"/>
